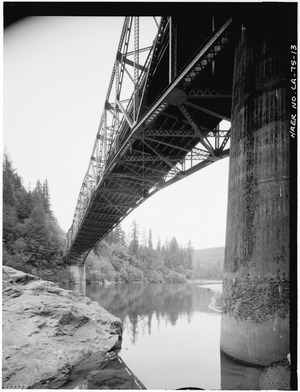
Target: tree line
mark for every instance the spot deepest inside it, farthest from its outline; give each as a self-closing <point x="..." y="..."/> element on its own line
<point x="130" y="257"/>
<point x="32" y="238"/>
<point x="33" y="242"/>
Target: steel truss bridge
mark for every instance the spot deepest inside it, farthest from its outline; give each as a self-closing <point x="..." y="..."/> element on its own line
<point x="161" y="120"/>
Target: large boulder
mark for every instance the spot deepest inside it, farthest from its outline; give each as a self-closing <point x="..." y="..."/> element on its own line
<point x="47" y="331"/>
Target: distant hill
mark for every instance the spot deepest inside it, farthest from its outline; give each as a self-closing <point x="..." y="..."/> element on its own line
<point x="209" y="255"/>
<point x="208" y="263"/>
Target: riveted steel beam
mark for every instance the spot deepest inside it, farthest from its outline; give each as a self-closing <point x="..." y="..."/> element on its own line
<point x="212" y="113"/>
<point x="122" y="187"/>
<point x="106" y="214"/>
<point x="196" y="128"/>
<point x="155" y="152"/>
<point x="130" y="62"/>
<point x="209" y="93"/>
<point x="132" y="178"/>
<point x="107" y="205"/>
<point x="132" y="165"/>
<point x="122" y="191"/>
<point x="170" y="132"/>
<point x="157" y="141"/>
<point x="151" y="158"/>
<point x="111" y="203"/>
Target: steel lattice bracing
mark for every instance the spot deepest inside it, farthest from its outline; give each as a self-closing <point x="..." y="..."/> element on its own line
<point x="160" y="123"/>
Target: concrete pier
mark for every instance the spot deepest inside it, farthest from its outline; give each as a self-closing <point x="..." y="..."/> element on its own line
<point x="255" y="319"/>
<point x="77" y="273"/>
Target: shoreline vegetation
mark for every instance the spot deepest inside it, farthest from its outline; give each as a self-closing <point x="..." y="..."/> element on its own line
<point x="33" y="242"/>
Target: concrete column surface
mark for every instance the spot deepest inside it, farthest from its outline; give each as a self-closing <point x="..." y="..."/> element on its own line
<point x="255" y="318"/>
<point x="77" y="273"/>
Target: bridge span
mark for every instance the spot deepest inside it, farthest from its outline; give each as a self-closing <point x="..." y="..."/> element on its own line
<point x="162" y="129"/>
<point x="161" y="122"/>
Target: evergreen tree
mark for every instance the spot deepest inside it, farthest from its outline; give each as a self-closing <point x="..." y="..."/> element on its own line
<point x="46" y="197"/>
<point x="189" y="255"/>
<point x="150" y="243"/>
<point x="12" y="183"/>
<point x="116" y="236"/>
<point x="32" y="238"/>
<point x="119" y="236"/>
<point x="134" y="244"/>
<point x="158" y="246"/>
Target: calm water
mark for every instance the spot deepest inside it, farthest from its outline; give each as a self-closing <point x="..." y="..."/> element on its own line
<point x="171" y="336"/>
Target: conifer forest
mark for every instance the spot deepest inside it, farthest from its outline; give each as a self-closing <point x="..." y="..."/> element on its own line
<point x="33" y="242"/>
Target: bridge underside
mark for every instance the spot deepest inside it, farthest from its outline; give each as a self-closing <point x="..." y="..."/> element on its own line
<point x="177" y="132"/>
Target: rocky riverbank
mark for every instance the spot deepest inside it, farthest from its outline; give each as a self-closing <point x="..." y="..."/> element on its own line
<point x="47" y="331"/>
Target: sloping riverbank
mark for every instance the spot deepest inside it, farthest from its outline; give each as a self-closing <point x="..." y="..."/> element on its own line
<point x="216" y="299"/>
<point x="47" y="331"/>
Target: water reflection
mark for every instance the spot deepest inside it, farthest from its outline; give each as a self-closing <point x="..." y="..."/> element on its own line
<point x="96" y="372"/>
<point x="171" y="336"/>
<point x="237" y="376"/>
<point x="135" y="302"/>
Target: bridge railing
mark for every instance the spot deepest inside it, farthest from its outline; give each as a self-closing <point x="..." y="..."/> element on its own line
<point x="116" y="120"/>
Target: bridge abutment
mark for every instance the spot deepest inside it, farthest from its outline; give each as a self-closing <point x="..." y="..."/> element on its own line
<point x="255" y="319"/>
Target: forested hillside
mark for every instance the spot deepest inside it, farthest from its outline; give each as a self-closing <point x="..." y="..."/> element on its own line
<point x="33" y="242"/>
<point x="123" y="257"/>
<point x="126" y="258"/>
<point x="209" y="263"/>
<point x="32" y="238"/>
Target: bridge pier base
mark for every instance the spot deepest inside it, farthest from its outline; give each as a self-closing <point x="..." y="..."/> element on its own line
<point x="255" y="318"/>
<point x="77" y="273"/>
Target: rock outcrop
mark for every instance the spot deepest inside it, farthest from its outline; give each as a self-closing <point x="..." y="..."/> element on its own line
<point x="47" y="331"/>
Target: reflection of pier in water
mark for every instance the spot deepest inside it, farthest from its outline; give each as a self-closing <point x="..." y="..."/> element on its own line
<point x="238" y="376"/>
<point x="144" y="306"/>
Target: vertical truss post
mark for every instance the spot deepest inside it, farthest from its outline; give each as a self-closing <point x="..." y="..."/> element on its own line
<point x="213" y="29"/>
<point x="97" y="158"/>
<point x="117" y="82"/>
<point x="105" y="141"/>
<point x="172" y="50"/>
<point x="136" y="69"/>
<point x="217" y="137"/>
<point x="117" y="79"/>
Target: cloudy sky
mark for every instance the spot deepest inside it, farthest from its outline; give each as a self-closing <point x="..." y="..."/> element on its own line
<point x="56" y="75"/>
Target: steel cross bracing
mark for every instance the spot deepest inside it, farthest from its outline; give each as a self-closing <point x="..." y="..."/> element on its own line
<point x="144" y="144"/>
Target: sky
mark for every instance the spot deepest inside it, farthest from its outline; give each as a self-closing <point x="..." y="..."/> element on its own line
<point x="56" y="74"/>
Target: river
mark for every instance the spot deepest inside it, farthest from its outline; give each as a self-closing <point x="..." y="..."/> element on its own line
<point x="171" y="336"/>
